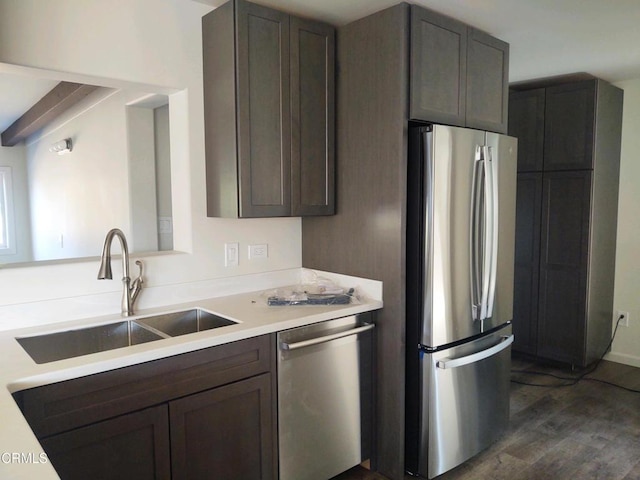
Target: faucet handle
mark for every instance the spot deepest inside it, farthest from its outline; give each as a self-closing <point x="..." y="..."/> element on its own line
<point x="140" y="269"/>
<point x="136" y="285"/>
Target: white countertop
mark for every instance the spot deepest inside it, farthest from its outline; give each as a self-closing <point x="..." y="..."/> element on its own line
<point x="20" y="452"/>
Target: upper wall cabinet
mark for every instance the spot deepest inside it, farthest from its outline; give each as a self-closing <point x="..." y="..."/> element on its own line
<point x="459" y="75"/>
<point x="554" y="124"/>
<point x="569" y="126"/>
<point x="526" y="123"/>
<point x="269" y="113"/>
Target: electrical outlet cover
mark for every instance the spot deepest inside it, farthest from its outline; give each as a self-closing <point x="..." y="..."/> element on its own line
<point x="258" y="251"/>
<point x="624" y="322"/>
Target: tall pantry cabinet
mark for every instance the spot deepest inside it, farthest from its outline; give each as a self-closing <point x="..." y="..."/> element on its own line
<point x="568" y="133"/>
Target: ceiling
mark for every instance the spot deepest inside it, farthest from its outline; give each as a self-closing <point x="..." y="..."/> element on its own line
<point x="547" y="37"/>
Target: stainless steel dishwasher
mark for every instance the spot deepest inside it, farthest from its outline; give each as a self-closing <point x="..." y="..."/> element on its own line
<point x="325" y="394"/>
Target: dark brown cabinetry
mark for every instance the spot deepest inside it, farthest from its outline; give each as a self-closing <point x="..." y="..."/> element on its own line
<point x="227" y="430"/>
<point x="564" y="247"/>
<point x="269" y="113"/>
<point x="566" y="216"/>
<point x="527" y="261"/>
<point x="526" y="123"/>
<point x="459" y="75"/>
<point x="185" y="416"/>
<point x="130" y="446"/>
<point x="569" y="126"/>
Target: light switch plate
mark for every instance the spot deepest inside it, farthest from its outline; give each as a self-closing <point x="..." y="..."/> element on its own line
<point x="231" y="254"/>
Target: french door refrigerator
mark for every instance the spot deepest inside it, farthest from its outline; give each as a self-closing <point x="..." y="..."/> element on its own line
<point x="460" y="253"/>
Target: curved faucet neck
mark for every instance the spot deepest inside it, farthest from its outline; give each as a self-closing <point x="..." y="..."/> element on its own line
<point x="105" y="266"/>
<point x="131" y="290"/>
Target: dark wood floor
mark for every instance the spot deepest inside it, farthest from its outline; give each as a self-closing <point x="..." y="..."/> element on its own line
<point x="590" y="430"/>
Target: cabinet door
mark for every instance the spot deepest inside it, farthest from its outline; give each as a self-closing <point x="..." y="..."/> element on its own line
<point x="563" y="265"/>
<point x="438" y="69"/>
<point x="264" y="128"/>
<point x="487" y="82"/>
<point x="224" y="433"/>
<point x="312" y="117"/>
<point x="526" y="123"/>
<point x="527" y="262"/>
<point x="569" y="123"/>
<point x="133" y="446"/>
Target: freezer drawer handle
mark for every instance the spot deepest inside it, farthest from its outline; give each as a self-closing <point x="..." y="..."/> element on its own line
<point x="476" y="357"/>
<point x="326" y="338"/>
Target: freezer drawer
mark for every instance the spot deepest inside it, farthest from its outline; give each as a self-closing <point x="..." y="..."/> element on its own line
<point x="465" y="401"/>
<point x="324" y="395"/>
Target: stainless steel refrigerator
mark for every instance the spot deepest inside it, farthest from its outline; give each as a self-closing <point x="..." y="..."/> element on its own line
<point x="460" y="252"/>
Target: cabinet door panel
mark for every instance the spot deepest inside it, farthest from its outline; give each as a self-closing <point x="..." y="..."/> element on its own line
<point x="526" y="123"/>
<point x="563" y="265"/>
<point x="133" y="446"/>
<point x="224" y="433"/>
<point x="487" y="82"/>
<point x="312" y="117"/>
<point x="569" y="123"/>
<point x="527" y="262"/>
<point x="438" y="68"/>
<point x="263" y="111"/>
<point x="219" y="95"/>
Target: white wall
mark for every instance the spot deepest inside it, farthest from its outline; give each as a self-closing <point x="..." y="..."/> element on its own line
<point x="77" y="197"/>
<point x="154" y="42"/>
<point x="626" y="346"/>
<point x="163" y="172"/>
<point x="142" y="179"/>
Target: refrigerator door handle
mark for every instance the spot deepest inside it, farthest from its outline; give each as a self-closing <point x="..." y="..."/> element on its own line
<point x="492" y="228"/>
<point x="427" y="154"/>
<point x="475" y="241"/>
<point x="483" y="254"/>
<point x="487" y="231"/>
<point x="476" y="357"/>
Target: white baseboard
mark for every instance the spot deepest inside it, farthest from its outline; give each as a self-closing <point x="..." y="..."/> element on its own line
<point x="623" y="358"/>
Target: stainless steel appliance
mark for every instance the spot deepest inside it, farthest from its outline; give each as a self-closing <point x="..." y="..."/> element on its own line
<point x="324" y="397"/>
<point x="460" y="253"/>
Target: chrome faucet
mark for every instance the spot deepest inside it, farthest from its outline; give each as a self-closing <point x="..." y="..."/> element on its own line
<point x="131" y="290"/>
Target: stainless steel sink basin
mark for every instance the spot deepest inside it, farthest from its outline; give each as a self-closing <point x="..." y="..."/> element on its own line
<point x="83" y="341"/>
<point x="181" y="323"/>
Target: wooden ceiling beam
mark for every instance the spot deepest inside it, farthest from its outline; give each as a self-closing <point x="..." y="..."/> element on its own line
<point x="62" y="97"/>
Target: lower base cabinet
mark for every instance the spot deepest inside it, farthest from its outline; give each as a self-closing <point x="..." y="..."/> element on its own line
<point x="131" y="446"/>
<point x="223" y="433"/>
<point x="200" y="415"/>
<point x="227" y="430"/>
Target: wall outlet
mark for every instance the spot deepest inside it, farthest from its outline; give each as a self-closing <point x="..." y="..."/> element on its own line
<point x="258" y="251"/>
<point x="624" y="322"/>
<point x="231" y="254"/>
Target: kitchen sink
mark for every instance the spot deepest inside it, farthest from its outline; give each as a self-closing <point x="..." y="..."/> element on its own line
<point x="83" y="341"/>
<point x="184" y="322"/>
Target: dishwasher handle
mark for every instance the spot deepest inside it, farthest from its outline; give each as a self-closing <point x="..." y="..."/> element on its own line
<point x="326" y="338"/>
<point x="476" y="357"/>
